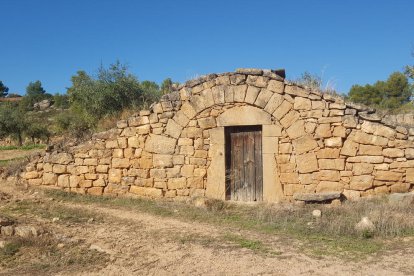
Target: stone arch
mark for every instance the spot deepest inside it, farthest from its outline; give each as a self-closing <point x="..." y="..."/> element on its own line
<point x="324" y="144"/>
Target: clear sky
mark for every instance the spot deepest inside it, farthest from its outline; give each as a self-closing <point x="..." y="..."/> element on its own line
<point x="349" y="42"/>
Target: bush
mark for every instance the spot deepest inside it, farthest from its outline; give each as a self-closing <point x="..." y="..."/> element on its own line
<point x="113" y="90"/>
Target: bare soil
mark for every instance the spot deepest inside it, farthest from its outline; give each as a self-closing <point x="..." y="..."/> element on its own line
<point x="137" y="243"/>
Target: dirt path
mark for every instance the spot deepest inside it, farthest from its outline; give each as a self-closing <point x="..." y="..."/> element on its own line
<point x="142" y="244"/>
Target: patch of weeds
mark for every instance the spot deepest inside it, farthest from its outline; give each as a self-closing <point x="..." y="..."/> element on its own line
<point x="50" y="211"/>
<point x="10" y="249"/>
<point x="254" y="245"/>
<point x="41" y="255"/>
<point x="24" y="147"/>
<point x="194" y="238"/>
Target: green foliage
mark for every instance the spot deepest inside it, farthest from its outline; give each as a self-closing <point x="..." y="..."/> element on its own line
<point x="25" y="147"/>
<point x="61" y="101"/>
<point x="36" y="130"/>
<point x="12" y="121"/>
<point x="409" y="69"/>
<point x="392" y="94"/>
<point x="3" y="90"/>
<point x="34" y="93"/>
<point x="113" y="90"/>
<point x="166" y="86"/>
<point x="74" y="121"/>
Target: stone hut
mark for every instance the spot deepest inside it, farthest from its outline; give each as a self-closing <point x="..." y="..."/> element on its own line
<point x="249" y="135"/>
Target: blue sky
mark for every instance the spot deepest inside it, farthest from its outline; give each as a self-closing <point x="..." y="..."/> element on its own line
<point x="348" y="42"/>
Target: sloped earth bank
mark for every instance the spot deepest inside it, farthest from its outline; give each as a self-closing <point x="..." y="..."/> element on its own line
<point x="137" y="243"/>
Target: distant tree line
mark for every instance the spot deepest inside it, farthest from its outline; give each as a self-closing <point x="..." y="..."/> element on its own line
<point x="88" y="101"/>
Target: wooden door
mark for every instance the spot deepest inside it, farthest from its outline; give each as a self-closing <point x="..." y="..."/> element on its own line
<point x="244" y="168"/>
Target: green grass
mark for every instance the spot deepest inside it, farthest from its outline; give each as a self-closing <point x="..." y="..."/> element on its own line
<point x="25" y="147"/>
<point x="332" y="234"/>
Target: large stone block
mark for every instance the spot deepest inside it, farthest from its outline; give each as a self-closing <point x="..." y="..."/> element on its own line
<point x="327" y="175"/>
<point x="369" y="150"/>
<point x="368" y="139"/>
<point x="49" y="179"/>
<point x="276" y="86"/>
<point x="145" y="191"/>
<point x="218" y="93"/>
<point x="120" y="163"/>
<point x="302" y="104"/>
<point x="263" y="98"/>
<point x="296" y="130"/>
<point x="329" y="186"/>
<point x="393" y="152"/>
<point x="95" y="191"/>
<point x="160" y="144"/>
<point x="239" y="93"/>
<point x="362" y="168"/>
<point x="162" y="160"/>
<point x="173" y="129"/>
<point x="388" y="176"/>
<point x="188" y="110"/>
<point x="63" y="181"/>
<point x="349" y="121"/>
<point x="361" y="182"/>
<point x="378" y="129"/>
<point x="296" y="91"/>
<point x="349" y="148"/>
<point x="244" y="115"/>
<point x="328" y="153"/>
<point x="31" y="175"/>
<point x="282" y="110"/>
<point x="291" y="177"/>
<point x="197" y="102"/>
<point x="400" y="187"/>
<point x="271" y="131"/>
<point x="409" y="153"/>
<point x="158" y="173"/>
<point x="208" y="122"/>
<point x="366" y="159"/>
<point x="115" y="175"/>
<point x="291" y="117"/>
<point x="331" y="164"/>
<point x="304" y="144"/>
<point x="409" y="177"/>
<point x="323" y="130"/>
<point x="274" y="102"/>
<point x="138" y="121"/>
<point x="181" y="119"/>
<point x="177" y="183"/>
<point x="307" y="163"/>
<point x="333" y="142"/>
<point x="251" y="94"/>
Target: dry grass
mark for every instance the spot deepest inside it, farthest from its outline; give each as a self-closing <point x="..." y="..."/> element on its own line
<point x="390" y="220"/>
<point x="333" y="233"/>
<point x="42" y="256"/>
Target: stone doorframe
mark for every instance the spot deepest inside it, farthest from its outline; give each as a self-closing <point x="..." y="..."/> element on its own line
<point x="244" y="116"/>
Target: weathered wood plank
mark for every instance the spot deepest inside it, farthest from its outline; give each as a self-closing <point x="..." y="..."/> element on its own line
<point x="244" y="163"/>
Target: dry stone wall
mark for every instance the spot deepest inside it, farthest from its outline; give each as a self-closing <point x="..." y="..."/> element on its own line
<point x="312" y="143"/>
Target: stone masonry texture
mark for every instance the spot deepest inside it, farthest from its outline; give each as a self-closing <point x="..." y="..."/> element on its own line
<point x="317" y="142"/>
